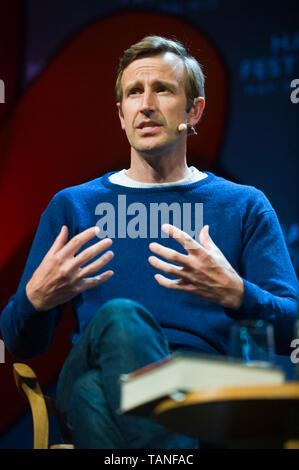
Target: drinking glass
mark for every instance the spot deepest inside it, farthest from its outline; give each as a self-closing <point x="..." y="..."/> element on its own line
<point x="252" y="341"/>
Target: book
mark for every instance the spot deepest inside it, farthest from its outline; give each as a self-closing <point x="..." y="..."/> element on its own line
<point x="179" y="373"/>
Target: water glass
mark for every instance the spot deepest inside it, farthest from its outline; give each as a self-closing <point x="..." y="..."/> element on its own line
<point x="252" y="341"/>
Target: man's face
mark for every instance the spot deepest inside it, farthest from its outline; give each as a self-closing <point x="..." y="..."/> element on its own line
<point x="154" y="102"/>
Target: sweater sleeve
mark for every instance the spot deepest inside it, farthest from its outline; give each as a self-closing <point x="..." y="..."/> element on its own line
<point x="26" y="331"/>
<point x="270" y="282"/>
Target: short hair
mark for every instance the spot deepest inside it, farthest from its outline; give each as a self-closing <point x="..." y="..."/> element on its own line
<point x="156" y="45"/>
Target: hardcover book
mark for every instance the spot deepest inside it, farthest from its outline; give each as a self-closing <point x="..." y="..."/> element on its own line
<point x="179" y="373"/>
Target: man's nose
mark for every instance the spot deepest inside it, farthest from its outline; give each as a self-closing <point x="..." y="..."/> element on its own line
<point x="148" y="102"/>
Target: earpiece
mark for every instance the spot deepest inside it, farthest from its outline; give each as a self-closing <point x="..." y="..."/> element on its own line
<point x="184" y="127"/>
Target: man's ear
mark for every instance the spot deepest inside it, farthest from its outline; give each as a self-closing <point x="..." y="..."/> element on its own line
<point x="196" y="111"/>
<point x="121" y="116"/>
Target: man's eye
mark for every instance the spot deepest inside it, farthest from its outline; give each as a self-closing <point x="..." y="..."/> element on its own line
<point x="161" y="89"/>
<point x="135" y="91"/>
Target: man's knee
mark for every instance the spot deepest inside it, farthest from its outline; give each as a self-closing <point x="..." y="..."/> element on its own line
<point x="120" y="306"/>
<point x="124" y="325"/>
<point x="123" y="314"/>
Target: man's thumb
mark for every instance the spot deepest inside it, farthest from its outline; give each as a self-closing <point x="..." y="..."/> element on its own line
<point x="204" y="237"/>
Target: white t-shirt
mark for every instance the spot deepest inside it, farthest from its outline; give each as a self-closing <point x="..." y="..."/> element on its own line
<point x="122" y="179"/>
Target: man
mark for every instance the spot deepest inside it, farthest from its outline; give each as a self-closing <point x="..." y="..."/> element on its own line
<point x="130" y="315"/>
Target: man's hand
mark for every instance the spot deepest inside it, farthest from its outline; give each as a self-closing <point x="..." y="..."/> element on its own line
<point x="60" y="276"/>
<point x="203" y="271"/>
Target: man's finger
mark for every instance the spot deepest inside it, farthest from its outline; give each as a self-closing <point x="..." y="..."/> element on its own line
<point x="173" y="284"/>
<point x="60" y="240"/>
<point x="167" y="268"/>
<point x="90" y="282"/>
<point x="205" y="239"/>
<point x="169" y="254"/>
<point x="98" y="264"/>
<point x="182" y="237"/>
<point x="71" y="248"/>
<point x="91" y="252"/>
<point x="170" y="269"/>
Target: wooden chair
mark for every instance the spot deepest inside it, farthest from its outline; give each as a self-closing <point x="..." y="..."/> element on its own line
<point x="41" y="405"/>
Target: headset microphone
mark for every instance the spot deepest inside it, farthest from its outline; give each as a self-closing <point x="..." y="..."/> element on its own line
<point x="182" y="127"/>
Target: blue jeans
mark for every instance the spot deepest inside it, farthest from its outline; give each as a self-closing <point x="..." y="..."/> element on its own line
<point x="122" y="337"/>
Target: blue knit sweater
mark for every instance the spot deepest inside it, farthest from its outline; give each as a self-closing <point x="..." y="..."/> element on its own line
<point x="242" y="224"/>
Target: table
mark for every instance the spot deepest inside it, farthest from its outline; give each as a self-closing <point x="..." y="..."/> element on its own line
<point x="235" y="417"/>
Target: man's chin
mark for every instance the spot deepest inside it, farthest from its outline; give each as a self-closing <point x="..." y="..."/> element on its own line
<point x="151" y="148"/>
